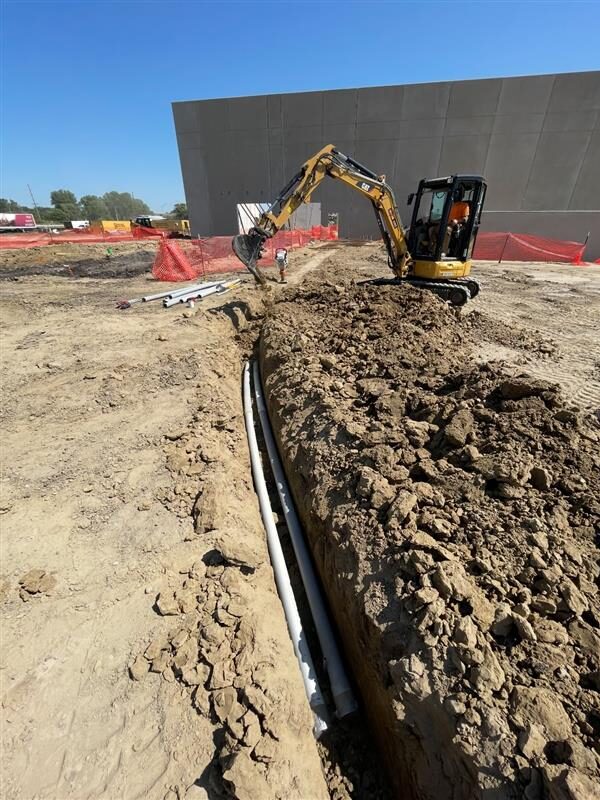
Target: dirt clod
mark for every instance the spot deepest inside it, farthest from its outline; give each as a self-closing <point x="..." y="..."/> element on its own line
<point x="36" y="582"/>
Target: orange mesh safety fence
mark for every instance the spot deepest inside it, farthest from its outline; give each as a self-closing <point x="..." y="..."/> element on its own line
<point x="525" y="247"/>
<point x="185" y="260"/>
<point x="214" y="255"/>
<point x="10" y="241"/>
<point x="140" y="232"/>
<point x="26" y="240"/>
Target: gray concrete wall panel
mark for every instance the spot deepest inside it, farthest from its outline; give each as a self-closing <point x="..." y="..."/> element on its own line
<point x="518" y="123"/>
<point x="302" y="109"/>
<point x="556" y="122"/>
<point x="529" y="95"/>
<point x="381" y="103"/>
<point x="248" y="113"/>
<point x="340" y="107"/>
<point x="576" y="91"/>
<point x="555" y="169"/>
<point x="464" y="126"/>
<point x="507" y="167"/>
<point x="465" y="154"/>
<point x="474" y="98"/>
<point x="536" y="139"/>
<point x="586" y="193"/>
<point x="426" y="100"/>
<point x="274" y="111"/>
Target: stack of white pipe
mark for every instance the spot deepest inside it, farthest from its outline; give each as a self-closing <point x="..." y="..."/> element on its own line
<point x="199" y="292"/>
<point x="176" y="292"/>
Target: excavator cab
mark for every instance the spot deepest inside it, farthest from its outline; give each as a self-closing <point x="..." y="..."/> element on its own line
<point x="444" y="225"/>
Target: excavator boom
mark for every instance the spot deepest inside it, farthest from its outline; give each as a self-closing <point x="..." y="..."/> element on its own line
<point x="327" y="162"/>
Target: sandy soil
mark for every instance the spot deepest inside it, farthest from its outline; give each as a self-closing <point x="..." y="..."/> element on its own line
<point x="555" y="304"/>
<point x="126" y="479"/>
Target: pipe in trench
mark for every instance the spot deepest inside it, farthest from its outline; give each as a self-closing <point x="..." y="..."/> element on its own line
<point x="282" y="578"/>
<point x="343" y="696"/>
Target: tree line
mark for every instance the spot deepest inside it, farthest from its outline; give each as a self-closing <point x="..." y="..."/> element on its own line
<point x="65" y="207"/>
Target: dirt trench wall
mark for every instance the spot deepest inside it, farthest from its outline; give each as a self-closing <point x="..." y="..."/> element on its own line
<point x="451" y="511"/>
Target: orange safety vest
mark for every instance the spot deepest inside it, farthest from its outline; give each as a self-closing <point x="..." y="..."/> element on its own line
<point x="459" y="211"/>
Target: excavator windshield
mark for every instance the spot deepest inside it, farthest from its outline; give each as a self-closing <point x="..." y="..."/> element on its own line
<point x="446" y="217"/>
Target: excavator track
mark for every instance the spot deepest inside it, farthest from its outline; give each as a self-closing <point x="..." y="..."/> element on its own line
<point x="456" y="292"/>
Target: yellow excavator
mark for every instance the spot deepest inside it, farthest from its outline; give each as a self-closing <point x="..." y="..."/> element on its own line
<point x="435" y="252"/>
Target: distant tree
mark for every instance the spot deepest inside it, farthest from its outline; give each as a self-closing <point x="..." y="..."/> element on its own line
<point x="12" y="207"/>
<point x="62" y="197"/>
<point x="8" y="206"/>
<point x="65" y="206"/>
<point x="93" y="207"/>
<point x="51" y="214"/>
<point x="123" y="205"/>
<point x="180" y="211"/>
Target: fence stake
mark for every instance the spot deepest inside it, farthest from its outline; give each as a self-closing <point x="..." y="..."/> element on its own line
<point x="504" y="248"/>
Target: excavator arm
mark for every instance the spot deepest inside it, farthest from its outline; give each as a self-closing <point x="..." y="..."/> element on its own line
<point x="328" y="162"/>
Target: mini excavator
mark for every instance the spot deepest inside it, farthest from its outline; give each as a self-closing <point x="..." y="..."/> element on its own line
<point x="435" y="253"/>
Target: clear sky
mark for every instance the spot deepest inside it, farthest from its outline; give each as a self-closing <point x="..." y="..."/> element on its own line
<point x="87" y="84"/>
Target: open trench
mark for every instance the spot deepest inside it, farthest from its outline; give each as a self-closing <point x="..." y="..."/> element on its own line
<point x="455" y="548"/>
<point x="223" y="643"/>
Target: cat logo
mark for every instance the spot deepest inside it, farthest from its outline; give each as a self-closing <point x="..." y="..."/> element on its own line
<point x="365" y="186"/>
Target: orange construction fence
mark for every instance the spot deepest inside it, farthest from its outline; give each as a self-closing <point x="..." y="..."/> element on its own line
<point x="213" y="254"/>
<point x="185" y="260"/>
<point x="525" y="247"/>
<point x="13" y="241"/>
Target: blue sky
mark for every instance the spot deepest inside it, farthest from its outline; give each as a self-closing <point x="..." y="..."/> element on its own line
<point x="87" y="84"/>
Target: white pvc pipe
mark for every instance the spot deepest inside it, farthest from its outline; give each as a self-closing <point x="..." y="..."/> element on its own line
<point x="174" y="292"/>
<point x="343" y="696"/>
<point x="218" y="288"/>
<point x="282" y="578"/>
<point x="193" y="295"/>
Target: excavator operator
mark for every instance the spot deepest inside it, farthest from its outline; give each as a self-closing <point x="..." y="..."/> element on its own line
<point x="457" y="218"/>
<point x="459" y="212"/>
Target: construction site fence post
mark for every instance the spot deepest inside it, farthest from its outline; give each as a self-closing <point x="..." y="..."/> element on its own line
<point x="504" y="248"/>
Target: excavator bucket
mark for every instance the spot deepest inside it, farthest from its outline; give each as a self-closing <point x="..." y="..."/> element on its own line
<point x="247" y="247"/>
<point x="244" y="246"/>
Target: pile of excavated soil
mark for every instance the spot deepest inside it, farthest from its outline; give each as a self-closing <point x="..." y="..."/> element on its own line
<point x="452" y="512"/>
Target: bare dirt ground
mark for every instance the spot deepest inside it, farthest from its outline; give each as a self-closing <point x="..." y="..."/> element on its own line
<point x="452" y="510"/>
<point x="109" y="260"/>
<point x="124" y="465"/>
<point x="558" y="308"/>
<point x="126" y="491"/>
